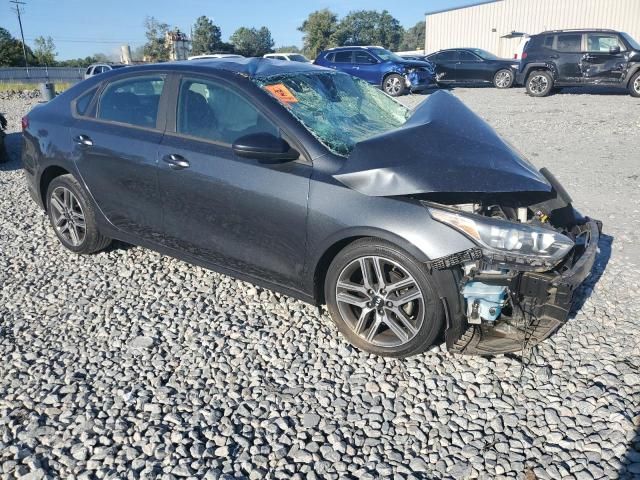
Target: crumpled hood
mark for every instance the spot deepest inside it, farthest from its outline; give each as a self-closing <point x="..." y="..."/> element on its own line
<point x="443" y="148"/>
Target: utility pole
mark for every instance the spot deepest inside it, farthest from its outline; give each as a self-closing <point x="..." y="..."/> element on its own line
<point x="24" y="48"/>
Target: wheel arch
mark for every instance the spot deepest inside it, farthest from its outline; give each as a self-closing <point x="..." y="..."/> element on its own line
<point x="334" y="245"/>
<point x="632" y="73"/>
<point x="540" y="66"/>
<point x="47" y="176"/>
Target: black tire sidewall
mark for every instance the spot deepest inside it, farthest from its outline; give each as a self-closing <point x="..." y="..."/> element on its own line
<point x="513" y="78"/>
<point x="434" y="314"/>
<point x="632" y="90"/>
<point x="93" y="240"/>
<point x="550" y="85"/>
<point x="402" y="90"/>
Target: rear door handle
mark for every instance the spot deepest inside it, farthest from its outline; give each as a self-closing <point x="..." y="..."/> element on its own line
<point x="176" y="162"/>
<point x="83" y="140"/>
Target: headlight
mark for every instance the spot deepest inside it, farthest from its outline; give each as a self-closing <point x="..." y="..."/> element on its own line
<point x="506" y="242"/>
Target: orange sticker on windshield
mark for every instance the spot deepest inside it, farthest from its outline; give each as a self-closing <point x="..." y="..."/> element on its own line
<point x="281" y="92"/>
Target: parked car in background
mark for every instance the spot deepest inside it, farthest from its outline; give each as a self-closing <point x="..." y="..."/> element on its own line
<point x="98" y="68"/>
<point x="473" y="65"/>
<point x="214" y="55"/>
<point x="380" y="67"/>
<point x="3" y="149"/>
<point x="411" y="225"/>
<point x="419" y="58"/>
<point x="290" y="57"/>
<point x="579" y="58"/>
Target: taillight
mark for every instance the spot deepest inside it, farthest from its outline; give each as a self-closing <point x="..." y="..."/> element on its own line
<point x="25" y="122"/>
<point x="515" y="56"/>
<point x="524" y="55"/>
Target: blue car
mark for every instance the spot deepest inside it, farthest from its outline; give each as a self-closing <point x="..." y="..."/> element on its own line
<point x="380" y="67"/>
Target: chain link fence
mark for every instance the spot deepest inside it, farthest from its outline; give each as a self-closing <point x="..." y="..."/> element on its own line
<point x="41" y="74"/>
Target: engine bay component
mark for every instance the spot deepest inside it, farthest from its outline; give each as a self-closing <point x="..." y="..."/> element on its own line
<point x="483" y="301"/>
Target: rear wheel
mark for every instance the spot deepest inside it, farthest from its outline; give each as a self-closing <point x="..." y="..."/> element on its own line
<point x="503" y="78"/>
<point x="539" y="83"/>
<point x="382" y="299"/>
<point x="394" y="85"/>
<point x="72" y="216"/>
<point x="634" y="85"/>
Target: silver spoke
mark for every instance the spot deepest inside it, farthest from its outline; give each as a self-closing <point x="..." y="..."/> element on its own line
<point x="366" y="274"/>
<point x="379" y="272"/>
<point x="404" y="283"/>
<point x="374" y="328"/>
<point x="396" y="328"/>
<point x="362" y="320"/>
<point x="55" y="202"/>
<point x="352" y="300"/>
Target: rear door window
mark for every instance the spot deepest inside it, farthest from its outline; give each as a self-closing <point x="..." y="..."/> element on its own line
<point x="83" y="102"/>
<point x="451" y="56"/>
<point x="133" y="101"/>
<point x="569" y="42"/>
<point x="343" y="57"/>
<point x="214" y="112"/>
<point x="468" y="57"/>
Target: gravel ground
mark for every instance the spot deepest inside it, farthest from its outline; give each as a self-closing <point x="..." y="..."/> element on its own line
<point x="128" y="364"/>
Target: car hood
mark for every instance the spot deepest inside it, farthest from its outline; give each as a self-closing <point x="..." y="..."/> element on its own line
<point x="442" y="148"/>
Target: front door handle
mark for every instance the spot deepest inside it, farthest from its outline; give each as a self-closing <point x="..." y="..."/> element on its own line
<point x="176" y="162"/>
<point x="83" y="140"/>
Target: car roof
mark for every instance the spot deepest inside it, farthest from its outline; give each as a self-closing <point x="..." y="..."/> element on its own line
<point x="578" y="30"/>
<point x="351" y="47"/>
<point x="249" y="67"/>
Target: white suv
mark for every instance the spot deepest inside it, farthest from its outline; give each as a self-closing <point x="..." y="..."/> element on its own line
<point x="97" y="68"/>
<point x="290" y="57"/>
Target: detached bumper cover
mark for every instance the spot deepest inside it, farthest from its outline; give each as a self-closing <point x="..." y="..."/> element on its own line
<point x="547" y="299"/>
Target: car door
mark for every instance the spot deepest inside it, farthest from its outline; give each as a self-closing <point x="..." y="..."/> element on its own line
<point x="234" y="212"/>
<point x="446" y="65"/>
<point x="567" y="56"/>
<point x="470" y="68"/>
<point x="367" y="67"/>
<point x="116" y="150"/>
<point x="605" y="60"/>
<point x="343" y="61"/>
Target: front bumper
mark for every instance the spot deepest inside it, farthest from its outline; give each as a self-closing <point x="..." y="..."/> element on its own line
<point x="544" y="303"/>
<point x="418" y="81"/>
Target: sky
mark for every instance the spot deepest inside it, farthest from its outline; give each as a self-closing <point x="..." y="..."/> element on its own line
<point x="83" y="27"/>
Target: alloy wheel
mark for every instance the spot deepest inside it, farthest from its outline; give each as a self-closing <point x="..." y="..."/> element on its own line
<point x="503" y="79"/>
<point x="538" y="84"/>
<point x="636" y="85"/>
<point x="380" y="301"/>
<point x="393" y="86"/>
<point x="68" y="216"/>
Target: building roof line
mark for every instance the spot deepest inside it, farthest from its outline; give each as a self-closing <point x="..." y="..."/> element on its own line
<point x="476" y="4"/>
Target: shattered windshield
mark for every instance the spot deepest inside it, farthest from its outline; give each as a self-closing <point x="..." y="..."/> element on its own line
<point x="338" y="109"/>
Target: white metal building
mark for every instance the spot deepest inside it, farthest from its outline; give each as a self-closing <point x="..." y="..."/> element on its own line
<point x="498" y="25"/>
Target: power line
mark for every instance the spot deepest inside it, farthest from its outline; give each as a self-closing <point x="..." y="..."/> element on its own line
<point x="24" y="48"/>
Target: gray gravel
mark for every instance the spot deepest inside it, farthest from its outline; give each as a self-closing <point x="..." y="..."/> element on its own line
<point x="128" y="364"/>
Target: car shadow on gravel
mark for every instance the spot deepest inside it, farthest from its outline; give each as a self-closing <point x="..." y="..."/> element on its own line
<point x="630" y="467"/>
<point x="13" y="146"/>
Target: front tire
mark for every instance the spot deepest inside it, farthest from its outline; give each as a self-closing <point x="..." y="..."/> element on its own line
<point x="394" y="85"/>
<point x="634" y="85"/>
<point x="382" y="299"/>
<point x="539" y="83"/>
<point x="503" y="78"/>
<point x="72" y="216"/>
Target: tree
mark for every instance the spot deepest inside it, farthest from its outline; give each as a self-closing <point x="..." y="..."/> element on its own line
<point x="413" y="38"/>
<point x="318" y="30"/>
<point x="287" y="49"/>
<point x="155" y="49"/>
<point x="11" y="51"/>
<point x="369" y="27"/>
<point x="45" y="51"/>
<point x="252" y="42"/>
<point x="206" y="37"/>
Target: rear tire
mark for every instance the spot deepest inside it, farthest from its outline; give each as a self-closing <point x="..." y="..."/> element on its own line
<point x="634" y="85"/>
<point x="539" y="83"/>
<point x="504" y="78"/>
<point x="393" y="310"/>
<point x="73" y="217"/>
<point x="394" y="85"/>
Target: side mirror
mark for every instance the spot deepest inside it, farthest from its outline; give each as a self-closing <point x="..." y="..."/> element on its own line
<point x="614" y="50"/>
<point x="265" y="147"/>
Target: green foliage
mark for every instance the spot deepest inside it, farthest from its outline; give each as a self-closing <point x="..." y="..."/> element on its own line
<point x="11" y="51"/>
<point x="206" y="37"/>
<point x="318" y="30"/>
<point x="413" y="38"/>
<point x="155" y="49"/>
<point x="369" y="27"/>
<point x="288" y="49"/>
<point x="45" y="51"/>
<point x="252" y="42"/>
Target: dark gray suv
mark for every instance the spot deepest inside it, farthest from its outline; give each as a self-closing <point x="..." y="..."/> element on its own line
<point x="575" y="58"/>
<point x="410" y="225"/>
